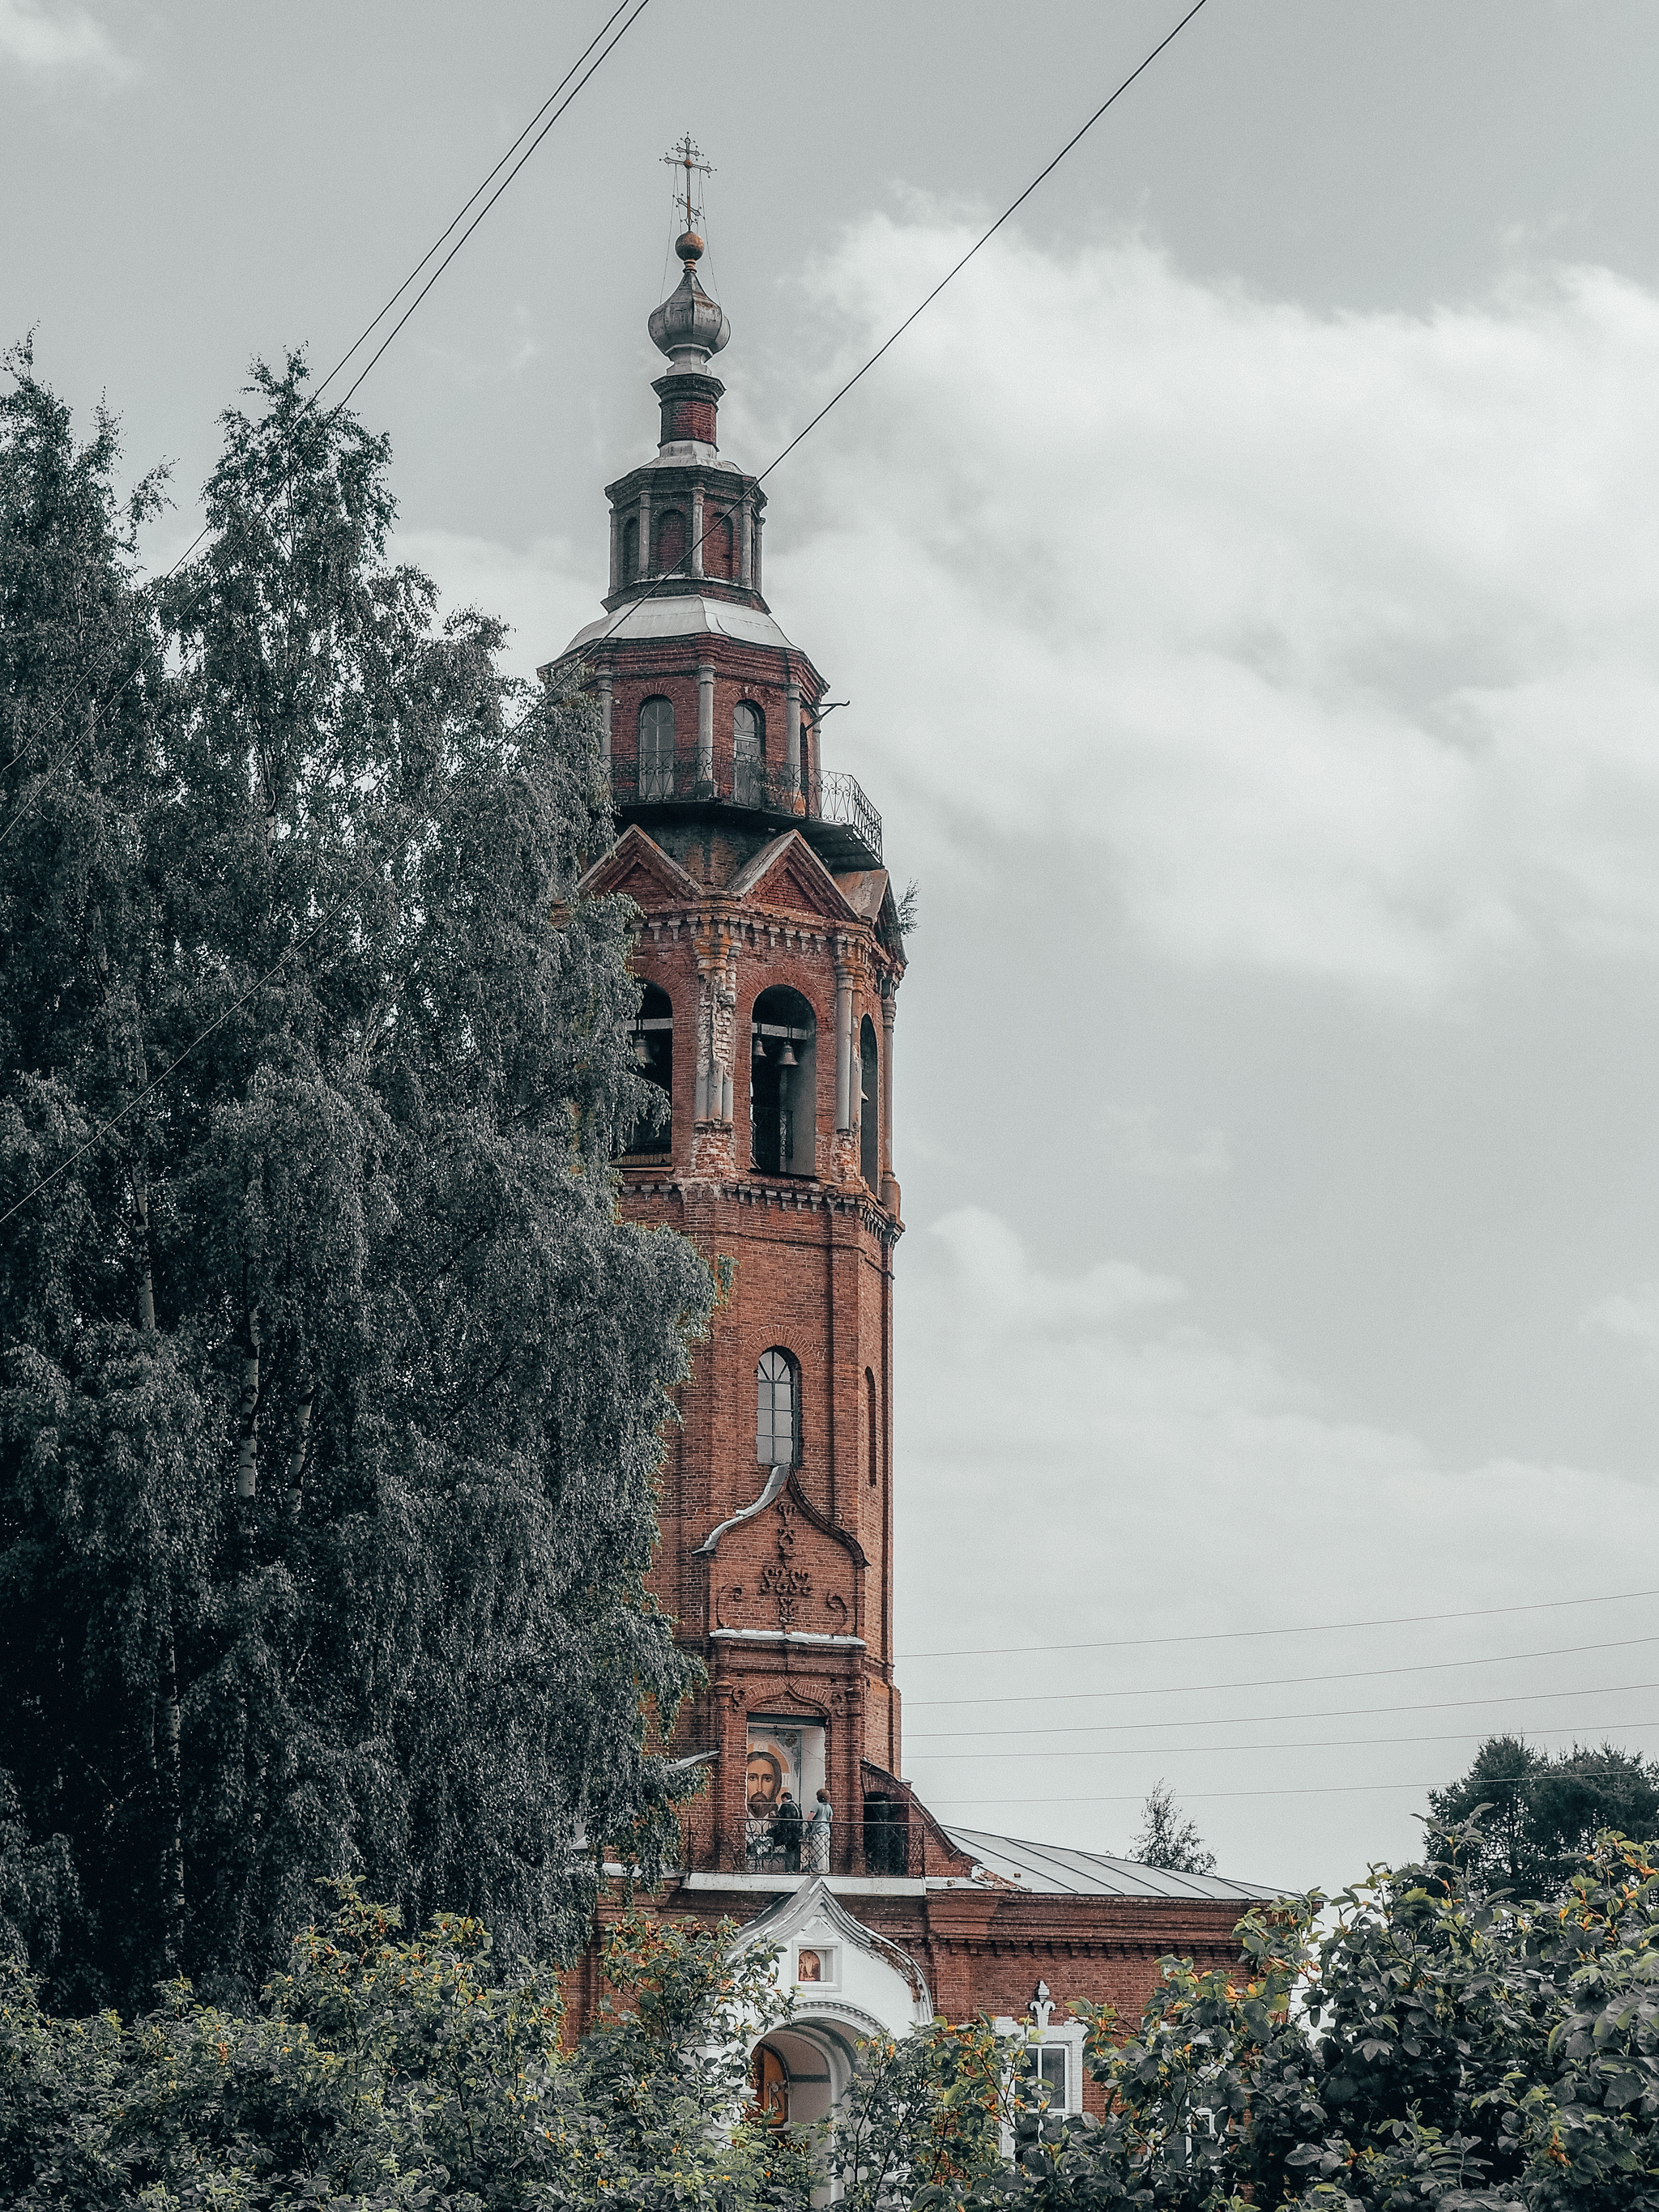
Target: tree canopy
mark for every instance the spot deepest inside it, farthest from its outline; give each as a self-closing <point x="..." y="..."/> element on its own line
<point x="379" y="2074"/>
<point x="1545" y="1812"/>
<point x="331" y="1383"/>
<point x="1168" y="1839"/>
<point x="1417" y="2042"/>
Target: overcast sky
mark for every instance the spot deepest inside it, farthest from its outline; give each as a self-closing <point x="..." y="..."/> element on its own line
<point x="1243" y="580"/>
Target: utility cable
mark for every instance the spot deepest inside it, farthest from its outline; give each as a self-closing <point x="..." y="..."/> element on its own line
<point x="682" y="567"/>
<point x="461" y="212"/>
<point x="1244" y="1720"/>
<point x="1304" y="1628"/>
<point x="1179" y="1750"/>
<point x="21" y="813"/>
<point x="1285" y="1682"/>
<point x="26" y="807"/>
<point x="1296" y="1789"/>
<point x="541" y="134"/>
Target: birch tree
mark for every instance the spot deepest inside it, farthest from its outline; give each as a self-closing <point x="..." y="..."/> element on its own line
<point x="332" y="1385"/>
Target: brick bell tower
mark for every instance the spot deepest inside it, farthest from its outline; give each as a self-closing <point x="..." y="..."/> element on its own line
<point x="770" y="954"/>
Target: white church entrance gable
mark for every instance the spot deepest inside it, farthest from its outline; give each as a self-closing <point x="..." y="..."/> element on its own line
<point x="850" y="1985"/>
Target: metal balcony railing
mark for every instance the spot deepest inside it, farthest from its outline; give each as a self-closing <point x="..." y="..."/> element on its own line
<point x="879" y="1840"/>
<point x="830" y="808"/>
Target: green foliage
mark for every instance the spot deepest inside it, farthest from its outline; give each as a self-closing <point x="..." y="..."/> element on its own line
<point x="331" y="1385"/>
<point x="1166" y="1839"/>
<point x="1415" y="2043"/>
<point x="1546" y="1812"/>
<point x="379" y="2074"/>
<point x="924" y="2121"/>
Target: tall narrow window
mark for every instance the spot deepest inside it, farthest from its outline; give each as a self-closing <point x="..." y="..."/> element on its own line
<point x="873" y="1411"/>
<point x="630" y="549"/>
<point x="869" y="1106"/>
<point x="657" y="749"/>
<point x="749" y="754"/>
<point x="777" y="1410"/>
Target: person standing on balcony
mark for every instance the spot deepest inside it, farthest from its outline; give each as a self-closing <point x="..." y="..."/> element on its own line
<point x="787" y="1833"/>
<point x="818" y="1835"/>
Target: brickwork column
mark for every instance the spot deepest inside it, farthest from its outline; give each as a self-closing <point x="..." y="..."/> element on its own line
<point x="706" y="723"/>
<point x="792" y="733"/>
<point x="645" y="531"/>
<point x="889" y="1007"/>
<point x="746" y="523"/>
<point x="697" y="530"/>
<point x="844" y="1045"/>
<point x="616" y="552"/>
<point x="604" y="715"/>
<point x="717" y="976"/>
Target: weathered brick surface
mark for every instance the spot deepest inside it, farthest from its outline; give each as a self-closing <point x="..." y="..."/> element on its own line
<point x="792" y="1615"/>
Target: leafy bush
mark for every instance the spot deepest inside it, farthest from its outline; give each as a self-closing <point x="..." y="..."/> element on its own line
<point x="381" y="2074"/>
<point x="1420" y="2041"/>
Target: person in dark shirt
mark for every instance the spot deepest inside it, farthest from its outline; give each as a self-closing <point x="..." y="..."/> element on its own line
<point x="785" y="1833"/>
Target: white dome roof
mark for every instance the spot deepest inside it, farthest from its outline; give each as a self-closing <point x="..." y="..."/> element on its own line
<point x="681" y="615"/>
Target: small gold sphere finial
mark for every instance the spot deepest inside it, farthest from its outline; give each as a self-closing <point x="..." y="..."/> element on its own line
<point x="689" y="247"/>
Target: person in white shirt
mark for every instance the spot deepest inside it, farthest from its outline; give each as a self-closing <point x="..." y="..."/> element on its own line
<point x="817" y="1836"/>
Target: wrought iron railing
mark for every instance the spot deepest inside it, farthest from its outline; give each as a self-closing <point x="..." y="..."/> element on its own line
<point x="830" y="799"/>
<point x="878" y="1838"/>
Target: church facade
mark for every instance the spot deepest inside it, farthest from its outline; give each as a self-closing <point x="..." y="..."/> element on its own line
<point x="771" y="955"/>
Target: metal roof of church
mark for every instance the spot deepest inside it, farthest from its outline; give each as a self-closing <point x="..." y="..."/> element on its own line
<point x="683" y="614"/>
<point x="1057" y="1871"/>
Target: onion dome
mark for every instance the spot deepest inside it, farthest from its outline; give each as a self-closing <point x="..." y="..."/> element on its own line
<point x="689" y="326"/>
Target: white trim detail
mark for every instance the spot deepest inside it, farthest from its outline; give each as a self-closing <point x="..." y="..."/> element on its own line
<point x="776" y="1479"/>
<point x="777" y="1635"/>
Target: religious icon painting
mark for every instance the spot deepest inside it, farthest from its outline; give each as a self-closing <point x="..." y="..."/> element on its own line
<point x="773" y="1765"/>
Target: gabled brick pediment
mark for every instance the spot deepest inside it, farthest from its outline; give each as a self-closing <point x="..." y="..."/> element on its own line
<point x="788" y="1572"/>
<point x="638" y="868"/>
<point x="788" y="874"/>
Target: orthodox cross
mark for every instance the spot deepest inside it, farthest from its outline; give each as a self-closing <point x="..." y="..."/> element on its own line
<point x="687" y="155"/>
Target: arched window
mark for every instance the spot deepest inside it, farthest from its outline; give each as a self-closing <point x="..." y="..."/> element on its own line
<point x="652" y="1043"/>
<point x="869" y="1106"/>
<point x="777" y="1410"/>
<point x="630" y="549"/>
<point x="671" y="540"/>
<point x="874" y="1418"/>
<point x="717" y="548"/>
<point x="749" y="754"/>
<point x="783" y="1084"/>
<point x="657" y="749"/>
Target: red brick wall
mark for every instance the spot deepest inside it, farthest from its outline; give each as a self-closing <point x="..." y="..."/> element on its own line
<point x="983" y="1951"/>
<point x="688" y="418"/>
<point x="670" y="671"/>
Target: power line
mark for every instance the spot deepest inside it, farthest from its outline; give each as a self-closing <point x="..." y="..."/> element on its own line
<point x="1252" y="1720"/>
<point x="493" y="196"/>
<point x="1307" y="1628"/>
<point x="682" y="566"/>
<point x="26" y="807"/>
<point x="1012" y="209"/>
<point x="460" y="212"/>
<point x="1296" y="1790"/>
<point x="1285" y="1682"/>
<point x="1177" y="1750"/>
